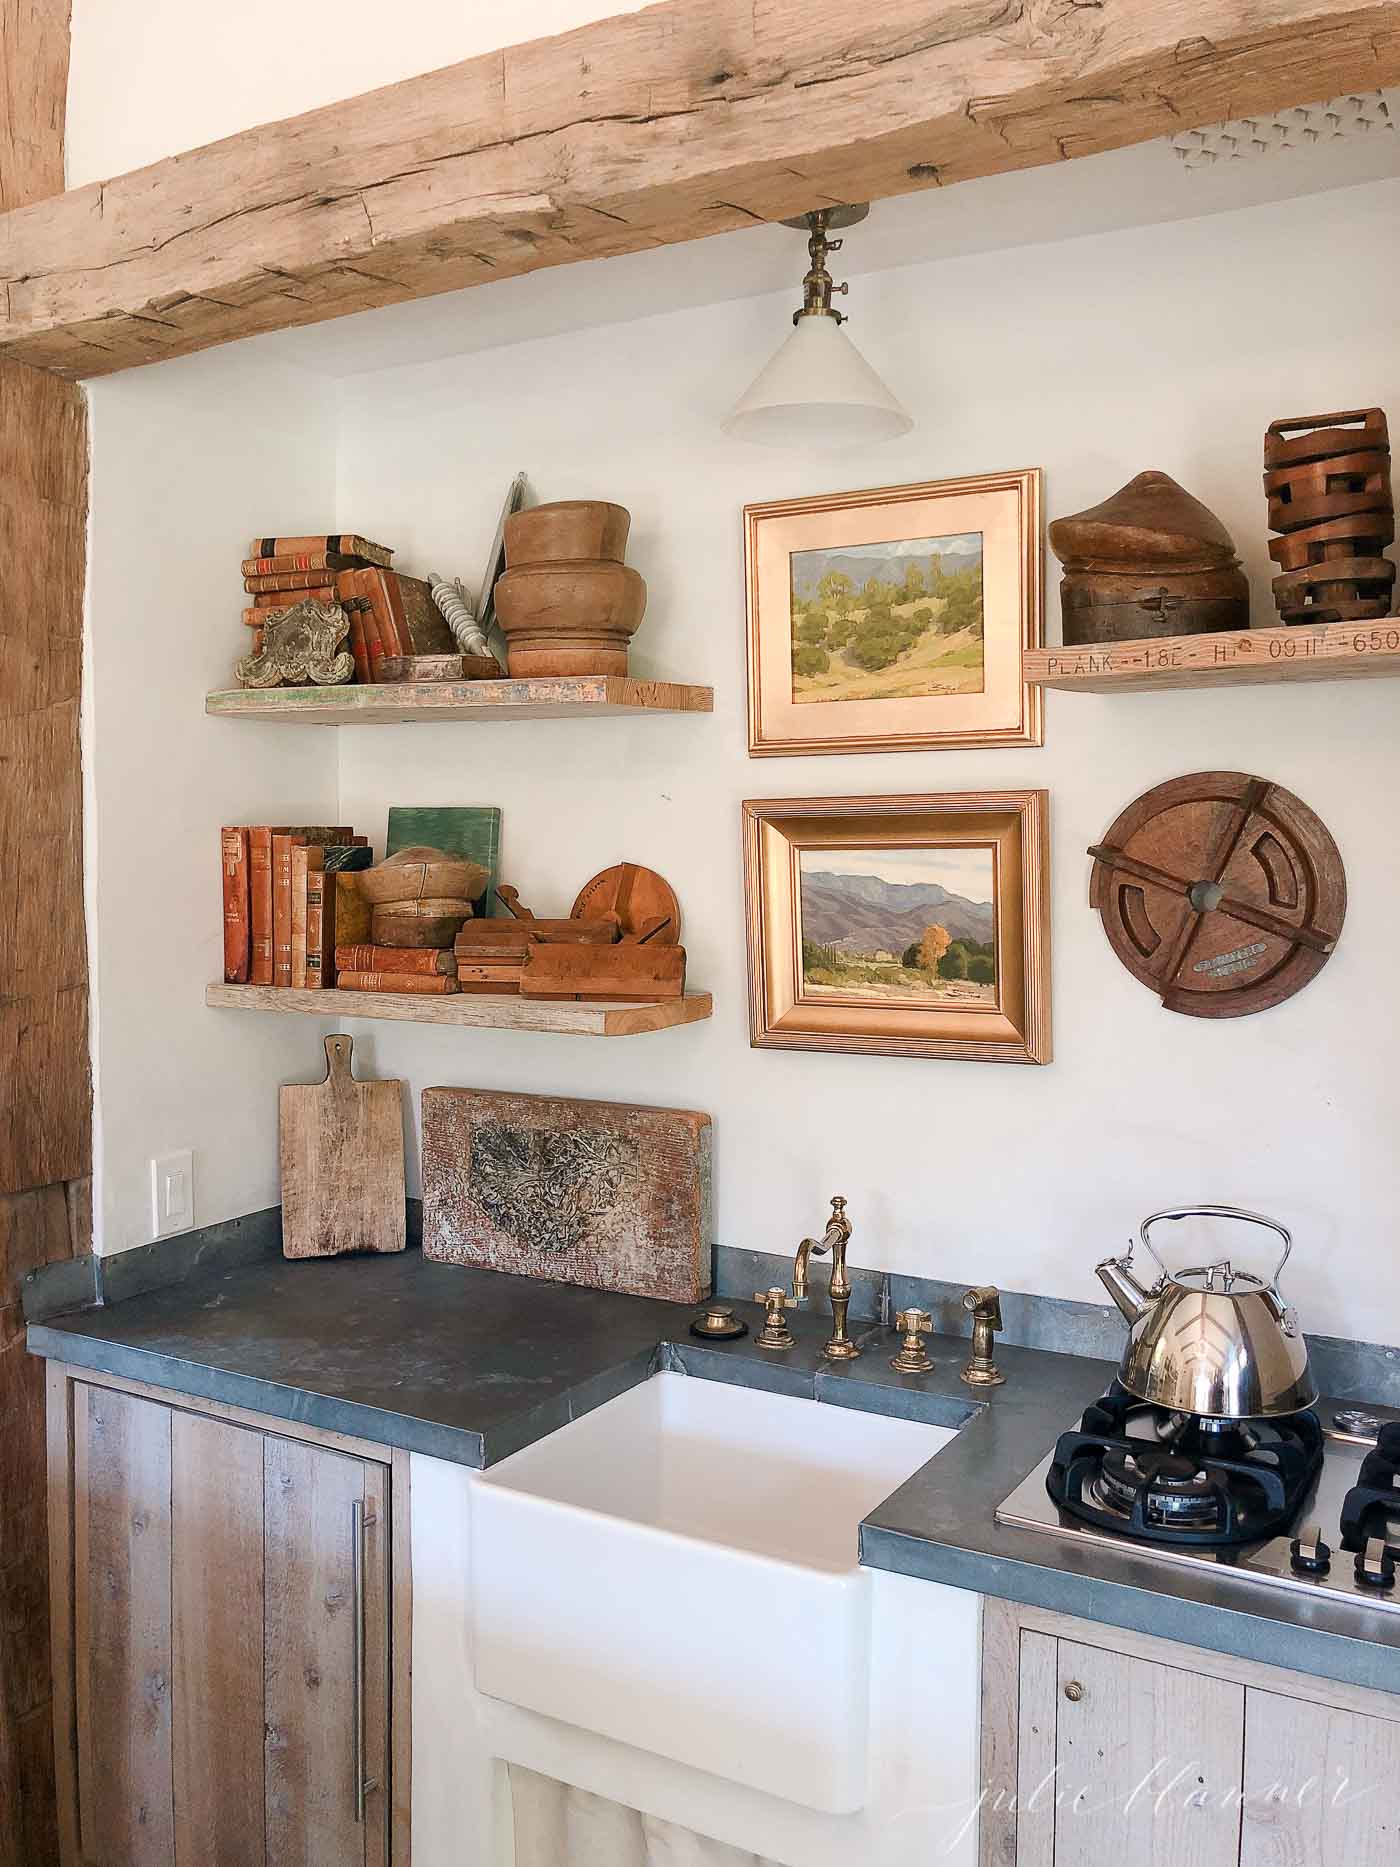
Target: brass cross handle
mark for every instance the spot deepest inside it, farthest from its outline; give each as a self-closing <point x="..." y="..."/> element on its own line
<point x="913" y="1357"/>
<point x="775" y="1332"/>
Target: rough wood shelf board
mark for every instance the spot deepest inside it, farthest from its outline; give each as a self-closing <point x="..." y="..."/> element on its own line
<point x="1331" y="651"/>
<point x="472" y="1010"/>
<point x="576" y="696"/>
<point x="683" y="119"/>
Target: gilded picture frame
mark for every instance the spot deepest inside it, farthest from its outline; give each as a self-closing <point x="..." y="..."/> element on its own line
<point x="895" y="619"/>
<point x="914" y="926"/>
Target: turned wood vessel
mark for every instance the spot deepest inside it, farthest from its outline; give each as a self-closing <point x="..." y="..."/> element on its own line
<point x="566" y="603"/>
<point x="1150" y="561"/>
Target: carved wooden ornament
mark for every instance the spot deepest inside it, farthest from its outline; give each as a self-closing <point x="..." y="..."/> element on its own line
<point x="301" y="646"/>
<point x="1221" y="892"/>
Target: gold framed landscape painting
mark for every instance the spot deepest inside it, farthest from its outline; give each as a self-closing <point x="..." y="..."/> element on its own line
<point x="894" y="620"/>
<point x="905" y="926"/>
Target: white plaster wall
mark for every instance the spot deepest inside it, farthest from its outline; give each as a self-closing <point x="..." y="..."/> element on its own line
<point x="189" y="461"/>
<point x="1172" y="348"/>
<point x="149" y="78"/>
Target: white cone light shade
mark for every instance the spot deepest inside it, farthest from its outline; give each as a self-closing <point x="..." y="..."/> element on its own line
<point x="818" y="391"/>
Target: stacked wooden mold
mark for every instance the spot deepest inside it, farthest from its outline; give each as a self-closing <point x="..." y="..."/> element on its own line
<point x="567" y="604"/>
<point x="1327" y="478"/>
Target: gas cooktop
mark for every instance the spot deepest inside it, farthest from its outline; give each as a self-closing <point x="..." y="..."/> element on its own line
<point x="1309" y="1503"/>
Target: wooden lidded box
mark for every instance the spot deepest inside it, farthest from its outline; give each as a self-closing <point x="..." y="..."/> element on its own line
<point x="605" y="1194"/>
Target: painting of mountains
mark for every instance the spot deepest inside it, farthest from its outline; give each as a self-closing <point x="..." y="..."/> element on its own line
<point x="892" y="621"/>
<point x="901" y="925"/>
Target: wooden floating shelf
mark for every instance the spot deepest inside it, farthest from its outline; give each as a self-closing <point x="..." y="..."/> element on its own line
<point x="1319" y="651"/>
<point x="566" y="697"/>
<point x="471" y="1010"/>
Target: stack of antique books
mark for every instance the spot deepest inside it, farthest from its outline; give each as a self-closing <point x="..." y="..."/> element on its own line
<point x="391" y="615"/>
<point x="290" y="894"/>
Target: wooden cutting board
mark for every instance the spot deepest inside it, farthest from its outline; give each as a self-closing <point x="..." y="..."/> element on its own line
<point x="598" y="1193"/>
<point x="342" y="1162"/>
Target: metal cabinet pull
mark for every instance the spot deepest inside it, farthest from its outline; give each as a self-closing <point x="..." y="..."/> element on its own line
<point x="1074" y="1692"/>
<point x="362" y="1520"/>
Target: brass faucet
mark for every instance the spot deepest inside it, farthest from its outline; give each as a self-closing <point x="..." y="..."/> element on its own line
<point x="834" y="1239"/>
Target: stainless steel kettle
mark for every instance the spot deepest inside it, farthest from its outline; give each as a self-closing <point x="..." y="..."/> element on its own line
<point x="1211" y="1340"/>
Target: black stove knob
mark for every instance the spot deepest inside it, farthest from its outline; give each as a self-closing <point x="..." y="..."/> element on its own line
<point x="1311" y="1556"/>
<point x="1375" y="1566"/>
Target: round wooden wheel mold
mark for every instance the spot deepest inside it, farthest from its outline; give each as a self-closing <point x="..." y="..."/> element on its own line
<point x="1221" y="892"/>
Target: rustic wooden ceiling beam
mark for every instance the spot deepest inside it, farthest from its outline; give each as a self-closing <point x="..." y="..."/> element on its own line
<point x="689" y="118"/>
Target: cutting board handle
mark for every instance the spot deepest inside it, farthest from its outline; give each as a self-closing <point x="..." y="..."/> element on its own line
<point x="338" y="1049"/>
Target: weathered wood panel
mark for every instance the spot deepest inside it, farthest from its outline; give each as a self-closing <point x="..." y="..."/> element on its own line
<point x="44" y="1088"/>
<point x="605" y="1194"/>
<point x="217" y="1642"/>
<point x="122" y="1631"/>
<point x="44" y="1095"/>
<point x="688" y="118"/>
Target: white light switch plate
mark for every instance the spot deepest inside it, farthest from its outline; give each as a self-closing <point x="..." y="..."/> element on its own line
<point x="172" y="1194"/>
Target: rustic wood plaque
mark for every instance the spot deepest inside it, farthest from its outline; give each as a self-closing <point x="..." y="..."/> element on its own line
<point x="604" y="1194"/>
<point x="1221" y="892"/>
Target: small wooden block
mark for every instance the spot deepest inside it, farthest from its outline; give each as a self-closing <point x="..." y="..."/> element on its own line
<point x="625" y="971"/>
<point x="597" y="1193"/>
<point x="439" y="668"/>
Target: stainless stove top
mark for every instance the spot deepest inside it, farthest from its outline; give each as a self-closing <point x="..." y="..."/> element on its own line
<point x="1350" y="1435"/>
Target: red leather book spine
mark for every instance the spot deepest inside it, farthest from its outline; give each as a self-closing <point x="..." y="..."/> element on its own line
<point x="427" y="984"/>
<point x="237" y="920"/>
<point x="363" y="957"/>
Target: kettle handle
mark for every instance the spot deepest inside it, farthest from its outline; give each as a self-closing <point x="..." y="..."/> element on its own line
<point x="1218" y="1212"/>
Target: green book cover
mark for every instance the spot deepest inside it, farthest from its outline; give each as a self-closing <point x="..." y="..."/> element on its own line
<point x="469" y="830"/>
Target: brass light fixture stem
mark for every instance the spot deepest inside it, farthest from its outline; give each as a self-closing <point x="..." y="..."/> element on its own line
<point x="817" y="284"/>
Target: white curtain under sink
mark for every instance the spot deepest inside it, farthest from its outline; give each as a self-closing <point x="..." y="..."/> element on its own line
<point x="557" y="1826"/>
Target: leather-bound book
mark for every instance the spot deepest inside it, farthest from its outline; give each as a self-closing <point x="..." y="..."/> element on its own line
<point x="350" y="591"/>
<point x="359" y="647"/>
<point x="301" y="879"/>
<point x="282" y="849"/>
<point x="345" y="544"/>
<point x="425" y="984"/>
<point x="237" y="914"/>
<point x="278" y="563"/>
<point x="260" y="903"/>
<point x="320" y="941"/>
<point x="421" y="625"/>
<point x="363" y="956"/>
<point x="301" y="581"/>
<point x="284" y="599"/>
<point x="353" y="913"/>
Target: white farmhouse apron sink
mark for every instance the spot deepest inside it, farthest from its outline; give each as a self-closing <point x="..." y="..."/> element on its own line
<point x="678" y="1571"/>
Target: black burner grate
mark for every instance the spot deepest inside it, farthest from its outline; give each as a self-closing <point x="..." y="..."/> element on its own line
<point x="1183" y="1481"/>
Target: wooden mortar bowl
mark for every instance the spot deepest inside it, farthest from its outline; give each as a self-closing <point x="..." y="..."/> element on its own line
<point x="434" y="923"/>
<point x="569" y="618"/>
<point x="567" y="529"/>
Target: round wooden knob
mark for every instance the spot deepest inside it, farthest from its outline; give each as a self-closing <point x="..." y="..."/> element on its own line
<point x="1074" y="1692"/>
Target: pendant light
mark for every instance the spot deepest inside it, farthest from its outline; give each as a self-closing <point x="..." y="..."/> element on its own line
<point x="819" y="391"/>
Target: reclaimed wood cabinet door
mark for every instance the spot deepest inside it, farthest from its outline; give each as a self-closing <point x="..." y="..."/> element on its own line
<point x="230" y="1616"/>
<point x="1121" y="1759"/>
<point x="1322" y="1786"/>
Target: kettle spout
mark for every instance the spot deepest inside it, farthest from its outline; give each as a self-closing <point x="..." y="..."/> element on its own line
<point x="1115" y="1274"/>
